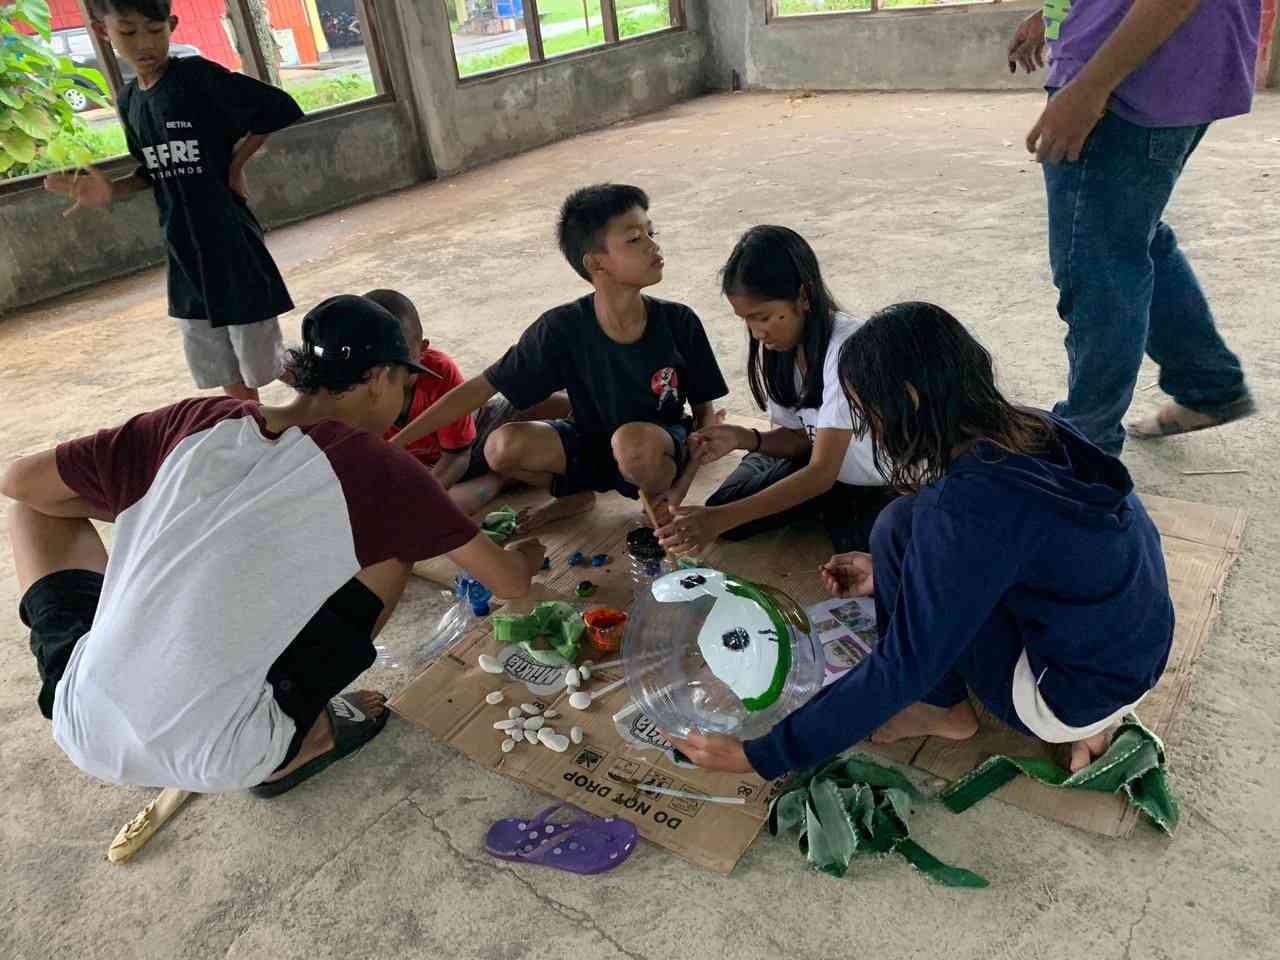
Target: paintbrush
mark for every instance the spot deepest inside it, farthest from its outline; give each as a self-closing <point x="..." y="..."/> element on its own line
<point x="669" y="792"/>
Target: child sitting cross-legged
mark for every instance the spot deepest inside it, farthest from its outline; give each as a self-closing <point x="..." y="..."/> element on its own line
<point x="455" y="452"/>
<point x="640" y="373"/>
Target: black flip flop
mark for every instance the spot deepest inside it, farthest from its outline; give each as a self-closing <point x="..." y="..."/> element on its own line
<point x="352" y="729"/>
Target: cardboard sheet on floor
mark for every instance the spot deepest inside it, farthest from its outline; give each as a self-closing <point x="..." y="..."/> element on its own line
<point x="1201" y="542"/>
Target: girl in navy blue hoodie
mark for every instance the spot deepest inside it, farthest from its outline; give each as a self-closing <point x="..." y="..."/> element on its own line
<point x="1020" y="566"/>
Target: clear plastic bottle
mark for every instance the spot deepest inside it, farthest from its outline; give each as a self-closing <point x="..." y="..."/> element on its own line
<point x="648" y="559"/>
<point x="471" y="604"/>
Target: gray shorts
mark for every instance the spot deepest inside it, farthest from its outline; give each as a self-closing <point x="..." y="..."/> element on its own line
<point x="249" y="353"/>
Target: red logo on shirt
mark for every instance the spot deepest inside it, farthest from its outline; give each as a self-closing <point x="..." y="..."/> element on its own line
<point x="663" y="382"/>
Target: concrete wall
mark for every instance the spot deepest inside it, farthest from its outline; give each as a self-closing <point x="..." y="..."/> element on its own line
<point x="481" y="120"/>
<point x="436" y="126"/>
<point x="304" y="170"/>
<point x="954" y="48"/>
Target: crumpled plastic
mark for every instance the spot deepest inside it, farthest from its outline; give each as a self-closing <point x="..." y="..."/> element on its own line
<point x="554" y="623"/>
<point x="500" y="525"/>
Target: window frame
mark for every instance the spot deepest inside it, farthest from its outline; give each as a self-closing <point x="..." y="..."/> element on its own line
<point x="253" y="63"/>
<point x="771" y="15"/>
<point x="538" y="58"/>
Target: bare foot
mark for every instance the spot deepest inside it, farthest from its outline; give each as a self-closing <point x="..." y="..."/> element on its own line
<point x="924" y="720"/>
<point x="319" y="738"/>
<point x="1084" y="752"/>
<point x="532" y="518"/>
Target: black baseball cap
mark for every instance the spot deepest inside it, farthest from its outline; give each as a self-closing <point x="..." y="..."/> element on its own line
<point x="348" y="329"/>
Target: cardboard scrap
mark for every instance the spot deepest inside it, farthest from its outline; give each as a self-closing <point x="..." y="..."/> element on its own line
<point x="448" y="699"/>
<point x="1201" y="542"/>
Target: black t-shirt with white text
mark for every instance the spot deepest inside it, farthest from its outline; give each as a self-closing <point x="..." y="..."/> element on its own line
<point x="611" y="383"/>
<point x="183" y="132"/>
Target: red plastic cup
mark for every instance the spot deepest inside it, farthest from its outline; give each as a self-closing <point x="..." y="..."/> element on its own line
<point x="604" y="629"/>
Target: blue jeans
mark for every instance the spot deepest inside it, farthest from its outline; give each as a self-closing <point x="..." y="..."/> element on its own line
<point x="1124" y="287"/>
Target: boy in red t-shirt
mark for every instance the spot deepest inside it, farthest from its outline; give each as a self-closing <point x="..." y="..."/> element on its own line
<point x="455" y="452"/>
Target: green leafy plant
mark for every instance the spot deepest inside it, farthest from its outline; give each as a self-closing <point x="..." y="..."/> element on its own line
<point x="38" y="128"/>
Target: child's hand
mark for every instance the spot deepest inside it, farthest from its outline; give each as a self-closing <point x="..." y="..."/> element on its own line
<point x="711" y="443"/>
<point x="88" y="189"/>
<point x="691" y="531"/>
<point x="1027" y="46"/>
<point x="848" y="575"/>
<point x="238" y="183"/>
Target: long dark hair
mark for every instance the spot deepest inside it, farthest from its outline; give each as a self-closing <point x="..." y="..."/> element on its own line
<point x="775" y="263"/>
<point x="955" y="404"/>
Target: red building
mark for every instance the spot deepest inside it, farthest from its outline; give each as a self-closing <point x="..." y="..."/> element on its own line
<point x="200" y="23"/>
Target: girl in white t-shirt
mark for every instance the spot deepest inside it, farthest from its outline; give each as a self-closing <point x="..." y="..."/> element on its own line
<point x="809" y="462"/>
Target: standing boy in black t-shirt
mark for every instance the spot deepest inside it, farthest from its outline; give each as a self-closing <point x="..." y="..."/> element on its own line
<point x="193" y="125"/>
<point x="630" y="364"/>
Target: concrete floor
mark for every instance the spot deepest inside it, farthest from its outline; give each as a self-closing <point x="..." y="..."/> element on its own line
<point x="907" y="196"/>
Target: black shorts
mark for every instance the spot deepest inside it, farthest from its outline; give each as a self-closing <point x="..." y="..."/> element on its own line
<point x="495" y="412"/>
<point x="334" y="647"/>
<point x="847" y="512"/>
<point x="590" y="464"/>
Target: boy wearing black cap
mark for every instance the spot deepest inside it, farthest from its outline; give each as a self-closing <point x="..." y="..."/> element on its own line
<point x="193" y="657"/>
<point x="640" y="373"/>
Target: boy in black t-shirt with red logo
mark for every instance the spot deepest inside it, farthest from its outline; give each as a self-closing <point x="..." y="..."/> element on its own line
<point x="192" y="125"/>
<point x="630" y="364"/>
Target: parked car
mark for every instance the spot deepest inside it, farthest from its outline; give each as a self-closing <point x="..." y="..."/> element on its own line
<point x="74" y="43"/>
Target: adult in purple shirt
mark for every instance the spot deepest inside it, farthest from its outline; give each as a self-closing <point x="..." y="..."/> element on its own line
<point x="1134" y="85"/>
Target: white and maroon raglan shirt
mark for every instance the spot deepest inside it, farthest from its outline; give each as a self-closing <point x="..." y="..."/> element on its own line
<point x="228" y="539"/>
<point x="183" y="132"/>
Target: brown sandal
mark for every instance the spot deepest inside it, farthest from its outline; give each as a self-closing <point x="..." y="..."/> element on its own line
<point x="1173" y="419"/>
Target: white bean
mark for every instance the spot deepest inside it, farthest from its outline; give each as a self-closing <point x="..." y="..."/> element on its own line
<point x="551" y="714"/>
<point x="575" y="734"/>
<point x="516" y="734"/>
<point x="489" y="665"/>
<point x="553" y="741"/>
<point x="573" y="678"/>
<point x="584" y="671"/>
<point x="495" y="697"/>
<point x="514" y="713"/>
<point x="533" y="723"/>
<point x="504" y="724"/>
<point x="531" y="709"/>
<point x="580" y="700"/>
<point x="508" y="745"/>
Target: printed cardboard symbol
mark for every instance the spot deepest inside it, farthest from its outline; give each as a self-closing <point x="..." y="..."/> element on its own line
<point x="746" y="791"/>
<point x="684" y="805"/>
<point x="657" y="780"/>
<point x="588" y="758"/>
<point x="625" y="769"/>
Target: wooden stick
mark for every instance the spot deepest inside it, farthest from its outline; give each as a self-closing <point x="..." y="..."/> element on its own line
<point x="1212" y="473"/>
<point x="138" y="831"/>
<point x="648" y="509"/>
<point x="668" y="792"/>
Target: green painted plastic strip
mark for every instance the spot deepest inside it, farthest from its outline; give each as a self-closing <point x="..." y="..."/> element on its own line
<point x="782" y="668"/>
<point x="1133" y="764"/>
